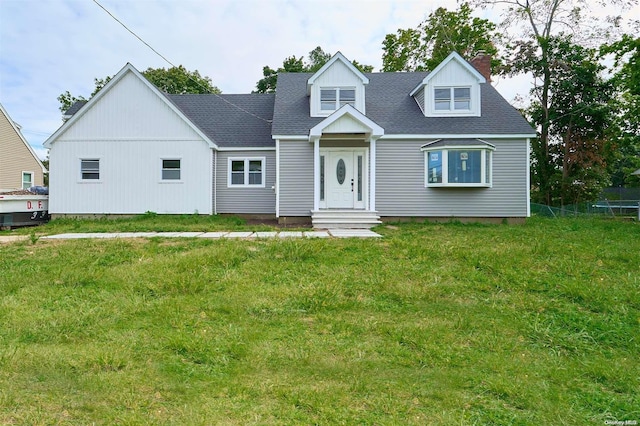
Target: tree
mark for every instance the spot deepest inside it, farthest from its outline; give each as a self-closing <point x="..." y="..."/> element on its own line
<point x="179" y="81"/>
<point x="317" y="58"/>
<point x="175" y="80"/>
<point x="579" y="115"/>
<point x="444" y="31"/>
<point x="626" y="53"/>
<point x="67" y="99"/>
<point x="536" y="22"/>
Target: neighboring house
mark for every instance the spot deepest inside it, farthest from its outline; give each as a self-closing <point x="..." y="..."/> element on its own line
<point x="20" y="167"/>
<point x="338" y="147"/>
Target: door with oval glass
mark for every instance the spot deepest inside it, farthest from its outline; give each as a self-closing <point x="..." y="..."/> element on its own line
<point x="345" y="179"/>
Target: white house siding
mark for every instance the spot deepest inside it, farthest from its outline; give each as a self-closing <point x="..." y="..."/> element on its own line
<point x="400" y="189"/>
<point x="130" y="129"/>
<point x="296" y="178"/>
<point x="419" y="97"/>
<point x="130" y="178"/>
<point x="246" y="200"/>
<point x="452" y="74"/>
<point x="338" y="75"/>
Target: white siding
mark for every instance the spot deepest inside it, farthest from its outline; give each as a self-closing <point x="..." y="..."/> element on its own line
<point x="400" y="189"/>
<point x="129" y="111"/>
<point x="246" y="200"/>
<point x="130" y="129"/>
<point x="346" y="124"/>
<point x="337" y="75"/>
<point x="296" y="178"/>
<point x="130" y="178"/>
<point x="453" y="74"/>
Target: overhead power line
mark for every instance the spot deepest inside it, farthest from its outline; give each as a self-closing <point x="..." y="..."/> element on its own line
<point x="171" y="63"/>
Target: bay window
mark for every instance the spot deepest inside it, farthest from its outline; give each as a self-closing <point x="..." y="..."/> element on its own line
<point x="458" y="166"/>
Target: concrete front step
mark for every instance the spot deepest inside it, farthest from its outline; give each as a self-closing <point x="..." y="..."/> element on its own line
<point x="344" y="219"/>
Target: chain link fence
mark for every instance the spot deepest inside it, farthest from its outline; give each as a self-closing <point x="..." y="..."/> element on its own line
<point x="610" y="208"/>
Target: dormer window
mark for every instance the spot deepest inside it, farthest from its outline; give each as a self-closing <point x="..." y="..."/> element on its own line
<point x="333" y="98"/>
<point x="452" y="98"/>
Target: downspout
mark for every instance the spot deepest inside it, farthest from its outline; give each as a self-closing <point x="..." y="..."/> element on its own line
<point x="215" y="182"/>
<point x="316" y="173"/>
<point x="372" y="171"/>
<point x="277" y="184"/>
<point x="528" y="177"/>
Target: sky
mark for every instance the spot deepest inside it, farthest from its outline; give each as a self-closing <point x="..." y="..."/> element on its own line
<point x="48" y="47"/>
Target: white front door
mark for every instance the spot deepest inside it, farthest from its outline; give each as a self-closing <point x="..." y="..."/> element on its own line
<point x="344" y="176"/>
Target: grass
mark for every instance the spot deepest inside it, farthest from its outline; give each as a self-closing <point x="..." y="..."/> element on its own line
<point x="433" y="324"/>
<point x="143" y="223"/>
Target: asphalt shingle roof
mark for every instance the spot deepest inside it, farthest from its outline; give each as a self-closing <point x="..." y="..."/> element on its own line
<point x="75" y="107"/>
<point x="389" y="105"/>
<point x="230" y="121"/>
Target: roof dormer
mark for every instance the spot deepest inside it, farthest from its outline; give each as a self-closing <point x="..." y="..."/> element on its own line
<point x="336" y="84"/>
<point x="452" y="89"/>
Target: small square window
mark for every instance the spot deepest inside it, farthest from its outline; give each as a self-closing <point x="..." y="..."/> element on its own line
<point x="347" y="96"/>
<point x="328" y="99"/>
<point x="90" y="169"/>
<point x="170" y="169"/>
<point x="443" y="99"/>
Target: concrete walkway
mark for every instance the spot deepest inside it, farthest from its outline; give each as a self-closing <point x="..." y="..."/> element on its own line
<point x="335" y="233"/>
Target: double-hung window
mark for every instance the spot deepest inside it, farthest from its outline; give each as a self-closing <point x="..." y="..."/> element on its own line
<point x="27" y="180"/>
<point x="452" y="98"/>
<point x="170" y="169"/>
<point x="90" y="169"/>
<point x="333" y="98"/>
<point x="458" y="166"/>
<point x="246" y="172"/>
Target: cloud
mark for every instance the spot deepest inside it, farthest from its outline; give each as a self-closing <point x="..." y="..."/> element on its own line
<point x="49" y="47"/>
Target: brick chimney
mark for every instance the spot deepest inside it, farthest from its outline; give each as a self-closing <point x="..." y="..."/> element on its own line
<point x="482" y="62"/>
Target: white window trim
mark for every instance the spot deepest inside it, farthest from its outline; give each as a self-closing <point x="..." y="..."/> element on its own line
<point x="100" y="170"/>
<point x="32" y="177"/>
<point x="474" y="101"/>
<point x="326" y="112"/>
<point x="445" y="167"/>
<point x="452" y="100"/>
<point x="246" y="172"/>
<point x="162" y="168"/>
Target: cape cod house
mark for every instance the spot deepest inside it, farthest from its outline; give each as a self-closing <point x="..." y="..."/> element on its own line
<point x="20" y="167"/>
<point x="337" y="147"/>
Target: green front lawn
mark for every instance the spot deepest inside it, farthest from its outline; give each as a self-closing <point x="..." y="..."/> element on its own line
<point x="432" y="324"/>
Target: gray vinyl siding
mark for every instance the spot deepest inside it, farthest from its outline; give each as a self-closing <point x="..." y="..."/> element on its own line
<point x="296" y="178"/>
<point x="400" y="189"/>
<point x="246" y="200"/>
<point x="419" y="97"/>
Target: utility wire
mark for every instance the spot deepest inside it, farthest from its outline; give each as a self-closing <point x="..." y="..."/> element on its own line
<point x="171" y="63"/>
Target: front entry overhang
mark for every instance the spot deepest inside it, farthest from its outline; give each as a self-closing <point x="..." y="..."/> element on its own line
<point x="346" y="120"/>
